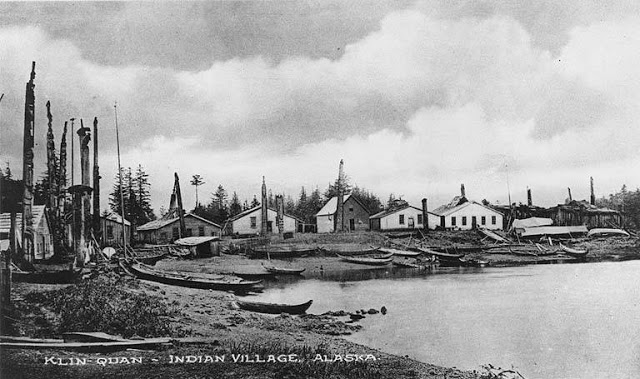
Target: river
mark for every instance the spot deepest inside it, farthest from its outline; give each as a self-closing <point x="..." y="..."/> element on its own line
<point x="547" y="321"/>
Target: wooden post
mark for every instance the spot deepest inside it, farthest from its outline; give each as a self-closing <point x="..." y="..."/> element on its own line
<point x="339" y="219"/>
<point x="264" y="213"/>
<point x="176" y="185"/>
<point x="529" y="199"/>
<point x="280" y="217"/>
<point x="97" y="227"/>
<point x="61" y="232"/>
<point x="425" y="216"/>
<point x="593" y="194"/>
<point x="27" y="168"/>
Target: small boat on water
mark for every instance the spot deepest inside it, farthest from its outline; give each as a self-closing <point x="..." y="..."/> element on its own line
<point x="382" y="261"/>
<point x="580" y="254"/>
<point x="284" y="270"/>
<point x="187" y="279"/>
<point x="273" y="308"/>
<point x="399" y="253"/>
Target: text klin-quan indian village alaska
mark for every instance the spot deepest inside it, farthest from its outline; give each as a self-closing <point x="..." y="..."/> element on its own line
<point x="320" y="189"/>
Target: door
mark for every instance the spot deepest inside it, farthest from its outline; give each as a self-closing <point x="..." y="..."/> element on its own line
<point x="410" y="223"/>
<point x="474" y="222"/>
<point x="352" y="224"/>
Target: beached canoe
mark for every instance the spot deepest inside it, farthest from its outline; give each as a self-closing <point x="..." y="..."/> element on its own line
<point x="283" y="251"/>
<point x="607" y="232"/>
<point x="399" y="253"/>
<point x="272" y="308"/>
<point x="284" y="270"/>
<point x="409" y="265"/>
<point x="87" y="347"/>
<point x="580" y="254"/>
<point x="439" y="255"/>
<point x="186" y="279"/>
<point x="47" y="277"/>
<point x="367" y="261"/>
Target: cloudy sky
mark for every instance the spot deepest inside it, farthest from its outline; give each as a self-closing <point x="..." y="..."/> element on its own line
<point x="416" y="96"/>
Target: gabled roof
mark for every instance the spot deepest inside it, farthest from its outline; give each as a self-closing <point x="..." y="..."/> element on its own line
<point x="116" y="218"/>
<point x="394" y="210"/>
<point x="251" y="210"/>
<point x="447" y="209"/>
<point x="37" y="211"/>
<point x="157" y="224"/>
<point x="456" y="201"/>
<point x="331" y="207"/>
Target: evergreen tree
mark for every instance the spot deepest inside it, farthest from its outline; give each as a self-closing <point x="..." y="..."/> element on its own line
<point x="289" y="205"/>
<point x="235" y="207"/>
<point x="11" y="194"/>
<point x="218" y="208"/>
<point x="333" y="188"/>
<point x="368" y="199"/>
<point x="245" y="205"/>
<point x="314" y="204"/>
<point x="197" y="181"/>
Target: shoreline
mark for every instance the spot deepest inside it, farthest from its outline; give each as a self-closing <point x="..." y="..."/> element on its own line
<point x="207" y="314"/>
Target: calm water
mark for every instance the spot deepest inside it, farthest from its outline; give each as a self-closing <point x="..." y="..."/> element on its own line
<point x="548" y="321"/>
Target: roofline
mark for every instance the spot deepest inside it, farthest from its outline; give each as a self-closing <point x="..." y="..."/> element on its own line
<point x="389" y="213"/>
<point x="242" y="214"/>
<point x="463" y="205"/>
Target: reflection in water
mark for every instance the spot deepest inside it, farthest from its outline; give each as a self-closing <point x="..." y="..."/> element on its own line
<point x="560" y="321"/>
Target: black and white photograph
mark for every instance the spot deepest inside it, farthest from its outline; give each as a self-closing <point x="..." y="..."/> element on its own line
<point x="320" y="189"/>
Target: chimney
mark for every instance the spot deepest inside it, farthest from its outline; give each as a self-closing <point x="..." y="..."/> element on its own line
<point x="425" y="216"/>
<point x="264" y="213"/>
<point x="339" y="219"/>
<point x="593" y="195"/>
<point x="462" y="191"/>
<point x="569" y="190"/>
<point x="529" y="200"/>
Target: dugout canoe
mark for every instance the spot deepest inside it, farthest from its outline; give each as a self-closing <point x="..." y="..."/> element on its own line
<point x="440" y="255"/>
<point x="367" y="261"/>
<point x="580" y="254"/>
<point x="399" y="253"/>
<point x="284" y="270"/>
<point x="186" y="279"/>
<point x="272" y="308"/>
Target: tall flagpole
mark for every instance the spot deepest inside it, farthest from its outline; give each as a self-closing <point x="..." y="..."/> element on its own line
<point x="124" y="230"/>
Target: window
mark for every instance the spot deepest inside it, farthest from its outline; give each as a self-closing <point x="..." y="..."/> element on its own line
<point x="163" y="236"/>
<point x="351" y="208"/>
<point x="419" y="219"/>
<point x="253" y="222"/>
<point x="176" y="233"/>
<point x="453" y="221"/>
<point x="401" y="219"/>
<point x="110" y="232"/>
<point x="483" y="220"/>
<point x="493" y="220"/>
<point x="201" y="230"/>
<point x="188" y="233"/>
<point x="464" y="220"/>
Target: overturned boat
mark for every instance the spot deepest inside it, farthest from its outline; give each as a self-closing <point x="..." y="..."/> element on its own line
<point x="273" y="308"/>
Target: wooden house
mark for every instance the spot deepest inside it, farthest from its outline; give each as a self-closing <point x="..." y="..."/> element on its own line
<point x="248" y="222"/>
<point x="463" y="214"/>
<point x="43" y="238"/>
<point x="403" y="217"/>
<point x="112" y="229"/>
<point x="582" y="213"/>
<point x="356" y="215"/>
<point x="168" y="230"/>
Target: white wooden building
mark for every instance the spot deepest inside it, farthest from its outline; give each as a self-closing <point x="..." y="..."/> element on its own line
<point x="406" y="217"/>
<point x="249" y="221"/>
<point x="355" y="215"/>
<point x="112" y="229"/>
<point x="42" y="239"/>
<point x="464" y="215"/>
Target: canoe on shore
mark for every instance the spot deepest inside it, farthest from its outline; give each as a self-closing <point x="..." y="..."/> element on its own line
<point x="47" y="277"/>
<point x="607" y="232"/>
<point x="282" y="251"/>
<point x="399" y="253"/>
<point x="440" y="255"/>
<point x="367" y="261"/>
<point x="284" y="270"/>
<point x="273" y="308"/>
<point x="409" y="265"/>
<point x="104" y="346"/>
<point x="186" y="279"/>
<point x="581" y="254"/>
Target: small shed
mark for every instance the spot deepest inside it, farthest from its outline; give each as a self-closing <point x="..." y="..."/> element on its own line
<point x="201" y="246"/>
<point x="42" y="239"/>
